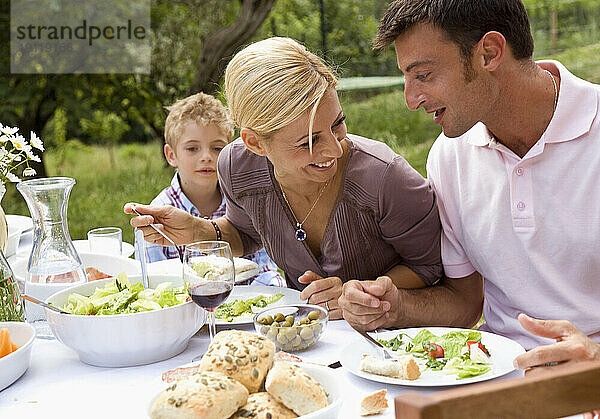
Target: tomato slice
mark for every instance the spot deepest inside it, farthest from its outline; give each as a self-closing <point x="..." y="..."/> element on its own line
<point x="434" y="350"/>
<point x="479" y="344"/>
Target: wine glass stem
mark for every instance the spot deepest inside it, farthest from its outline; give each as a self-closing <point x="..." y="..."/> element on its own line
<point x="211" y="326"/>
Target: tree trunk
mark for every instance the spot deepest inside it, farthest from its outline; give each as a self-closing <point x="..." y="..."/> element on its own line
<point x="219" y="47"/>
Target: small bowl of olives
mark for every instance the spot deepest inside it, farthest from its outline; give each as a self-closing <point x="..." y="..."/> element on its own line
<point x="293" y="327"/>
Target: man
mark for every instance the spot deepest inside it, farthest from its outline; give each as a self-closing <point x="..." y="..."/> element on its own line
<point x="515" y="173"/>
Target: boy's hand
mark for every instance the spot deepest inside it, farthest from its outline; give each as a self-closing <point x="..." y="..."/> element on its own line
<point x="174" y="222"/>
<point x="322" y="291"/>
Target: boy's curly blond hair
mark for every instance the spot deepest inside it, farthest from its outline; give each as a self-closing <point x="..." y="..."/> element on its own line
<point x="200" y="108"/>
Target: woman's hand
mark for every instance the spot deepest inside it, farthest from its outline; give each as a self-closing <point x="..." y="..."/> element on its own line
<point x="175" y="223"/>
<point x="322" y="291"/>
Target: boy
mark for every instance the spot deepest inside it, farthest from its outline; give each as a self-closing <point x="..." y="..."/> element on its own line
<point x="196" y="130"/>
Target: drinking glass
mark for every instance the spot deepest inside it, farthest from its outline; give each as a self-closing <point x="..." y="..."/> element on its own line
<point x="209" y="275"/>
<point x="107" y="240"/>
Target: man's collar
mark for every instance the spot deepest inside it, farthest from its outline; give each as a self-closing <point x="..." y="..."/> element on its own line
<point x="573" y="117"/>
<point x="576" y="109"/>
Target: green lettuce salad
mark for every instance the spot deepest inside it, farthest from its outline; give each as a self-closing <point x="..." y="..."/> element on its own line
<point x="122" y="297"/>
<point x="229" y="311"/>
<point x="458" y="352"/>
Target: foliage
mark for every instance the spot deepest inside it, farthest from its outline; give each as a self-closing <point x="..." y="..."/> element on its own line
<point x="350" y="27"/>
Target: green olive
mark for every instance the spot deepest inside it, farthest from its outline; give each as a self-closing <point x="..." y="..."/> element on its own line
<point x="289" y="319"/>
<point x="282" y="338"/>
<point x="286" y="324"/>
<point x="313" y="315"/>
<point x="297" y="341"/>
<point x="268" y="319"/>
<point x="317" y="327"/>
<point x="306" y="333"/>
<point x="264" y="330"/>
<point x="279" y="317"/>
<point x="304" y="320"/>
<point x="275" y="324"/>
<point x="272" y="333"/>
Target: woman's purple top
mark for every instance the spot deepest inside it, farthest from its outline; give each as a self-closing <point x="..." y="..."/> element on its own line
<point x="385" y="215"/>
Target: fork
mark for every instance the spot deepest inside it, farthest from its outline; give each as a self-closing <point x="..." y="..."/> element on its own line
<point x="374" y="342"/>
<point x="164" y="235"/>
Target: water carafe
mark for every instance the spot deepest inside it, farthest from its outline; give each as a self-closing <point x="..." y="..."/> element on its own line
<point x="54" y="263"/>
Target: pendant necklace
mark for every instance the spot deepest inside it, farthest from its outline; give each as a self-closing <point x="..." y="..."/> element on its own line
<point x="300" y="232"/>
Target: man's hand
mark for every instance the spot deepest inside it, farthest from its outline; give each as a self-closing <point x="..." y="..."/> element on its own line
<point x="571" y="344"/>
<point x="174" y="222"/>
<point x="369" y="305"/>
<point x="322" y="291"/>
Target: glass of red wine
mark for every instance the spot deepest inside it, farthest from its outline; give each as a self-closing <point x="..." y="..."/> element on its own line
<point x="209" y="275"/>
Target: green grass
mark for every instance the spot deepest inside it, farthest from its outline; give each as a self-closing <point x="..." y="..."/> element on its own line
<point x="386" y="118"/>
<point x="101" y="191"/>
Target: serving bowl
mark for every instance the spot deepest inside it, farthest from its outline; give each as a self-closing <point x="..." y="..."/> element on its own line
<point x="298" y="336"/>
<point x="109" y="264"/>
<point x="14" y="365"/>
<point x="123" y="340"/>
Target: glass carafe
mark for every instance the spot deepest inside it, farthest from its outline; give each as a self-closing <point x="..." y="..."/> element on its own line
<point x="54" y="262"/>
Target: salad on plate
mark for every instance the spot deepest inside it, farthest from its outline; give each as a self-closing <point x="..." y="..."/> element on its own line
<point x="458" y="352"/>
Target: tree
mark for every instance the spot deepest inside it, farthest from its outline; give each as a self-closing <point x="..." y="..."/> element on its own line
<point x="220" y="46"/>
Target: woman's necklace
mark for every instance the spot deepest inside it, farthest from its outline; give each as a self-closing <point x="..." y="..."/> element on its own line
<point x="300" y="232"/>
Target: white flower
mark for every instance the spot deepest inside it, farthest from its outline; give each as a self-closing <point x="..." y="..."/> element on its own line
<point x="8" y="130"/>
<point x="36" y="142"/>
<point x="12" y="178"/>
<point x="29" y="172"/>
<point x="4" y="138"/>
<point x="33" y="157"/>
<point x="19" y="142"/>
<point x="2" y="189"/>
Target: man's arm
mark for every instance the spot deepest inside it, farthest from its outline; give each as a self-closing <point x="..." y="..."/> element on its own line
<point x="370" y="305"/>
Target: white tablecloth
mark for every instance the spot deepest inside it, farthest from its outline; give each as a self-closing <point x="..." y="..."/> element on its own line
<point x="58" y="385"/>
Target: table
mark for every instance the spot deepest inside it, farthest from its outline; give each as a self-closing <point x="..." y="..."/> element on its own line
<point x="58" y="385"/>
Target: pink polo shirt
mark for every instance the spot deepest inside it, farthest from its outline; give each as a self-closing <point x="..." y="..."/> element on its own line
<point x="531" y="225"/>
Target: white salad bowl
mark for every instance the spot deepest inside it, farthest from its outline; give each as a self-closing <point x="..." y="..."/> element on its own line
<point x="108" y="264"/>
<point x="14" y="365"/>
<point x="123" y="340"/>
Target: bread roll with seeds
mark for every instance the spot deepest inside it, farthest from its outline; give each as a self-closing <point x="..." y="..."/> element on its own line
<point x="263" y="406"/>
<point x="243" y="356"/>
<point x="204" y="395"/>
<point x="292" y="386"/>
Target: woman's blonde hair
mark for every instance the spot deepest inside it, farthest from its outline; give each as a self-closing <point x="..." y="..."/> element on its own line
<point x="199" y="108"/>
<point x="272" y="82"/>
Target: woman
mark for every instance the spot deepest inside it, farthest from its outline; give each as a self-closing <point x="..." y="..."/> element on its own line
<point x="327" y="206"/>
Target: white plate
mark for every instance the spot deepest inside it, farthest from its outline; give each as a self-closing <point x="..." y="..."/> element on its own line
<point x="19" y="222"/>
<point x="290" y="296"/>
<point x="327" y="377"/>
<point x="83" y="246"/>
<point x="173" y="266"/>
<point x="502" y="351"/>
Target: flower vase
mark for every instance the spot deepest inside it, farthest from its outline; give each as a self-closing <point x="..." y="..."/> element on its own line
<point x="11" y="304"/>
